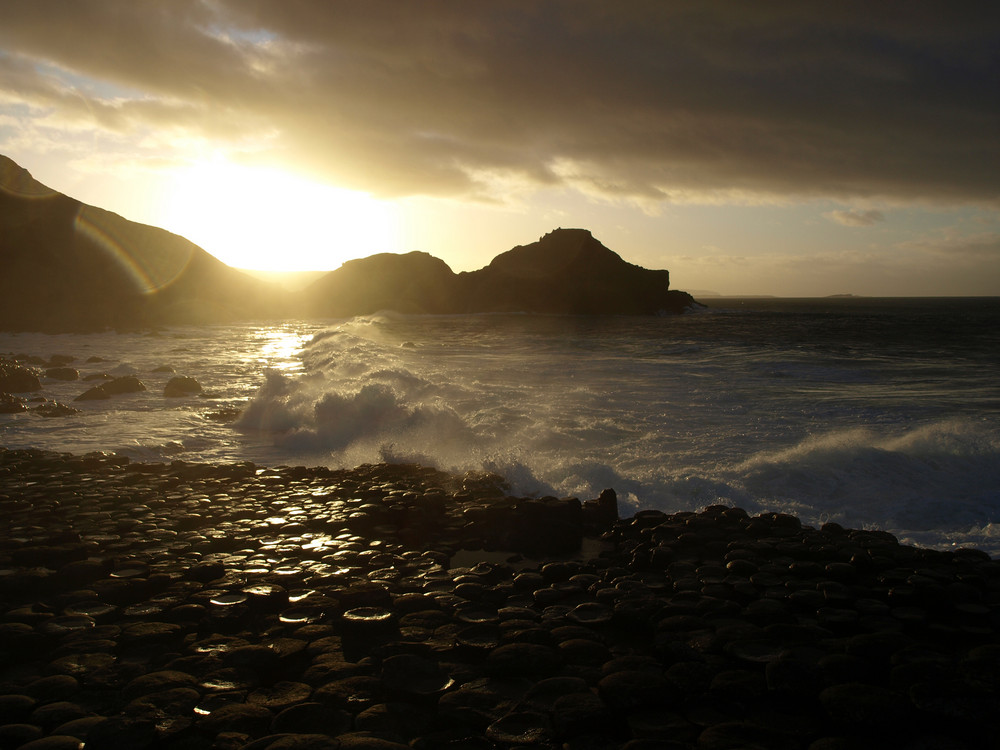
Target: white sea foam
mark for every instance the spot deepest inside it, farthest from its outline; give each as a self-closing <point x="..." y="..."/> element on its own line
<point x="768" y="409"/>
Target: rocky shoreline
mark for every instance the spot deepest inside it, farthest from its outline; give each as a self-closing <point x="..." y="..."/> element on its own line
<point x="195" y="606"/>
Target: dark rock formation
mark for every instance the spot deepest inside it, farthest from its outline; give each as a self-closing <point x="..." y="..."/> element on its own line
<point x="10" y="404"/>
<point x="15" y="378"/>
<point x="73" y="267"/>
<point x="114" y="387"/>
<point x="54" y="409"/>
<point x="409" y="283"/>
<point x="567" y="271"/>
<point x="62" y="373"/>
<point x="709" y="629"/>
<point x="180" y="386"/>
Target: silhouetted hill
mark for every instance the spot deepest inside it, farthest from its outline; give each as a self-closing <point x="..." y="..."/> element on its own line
<point x="567" y="271"/>
<point x="410" y="283"/>
<point x="68" y="266"/>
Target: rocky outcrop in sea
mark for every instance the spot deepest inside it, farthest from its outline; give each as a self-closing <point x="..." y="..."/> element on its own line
<point x="70" y="267"/>
<point x="566" y="272"/>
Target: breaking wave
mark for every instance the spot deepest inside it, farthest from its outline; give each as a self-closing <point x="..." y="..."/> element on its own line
<point x="553" y="421"/>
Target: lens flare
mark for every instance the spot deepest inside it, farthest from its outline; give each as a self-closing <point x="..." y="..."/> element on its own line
<point x="149" y="263"/>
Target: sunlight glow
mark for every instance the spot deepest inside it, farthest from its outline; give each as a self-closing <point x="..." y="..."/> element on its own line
<point x="268" y="219"/>
<point x="279" y="349"/>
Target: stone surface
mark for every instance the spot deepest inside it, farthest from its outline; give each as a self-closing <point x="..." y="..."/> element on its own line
<point x="180" y="386"/>
<point x="127" y="619"/>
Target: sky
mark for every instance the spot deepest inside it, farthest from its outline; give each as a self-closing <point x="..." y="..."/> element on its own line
<point x="785" y="148"/>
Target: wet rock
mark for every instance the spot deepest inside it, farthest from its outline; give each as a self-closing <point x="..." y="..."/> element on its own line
<point x="280" y="696"/>
<point x="54" y="742"/>
<point x="121" y="732"/>
<point x="522" y="660"/>
<point x="10" y="404"/>
<point x="351" y="694"/>
<point x="629" y="690"/>
<point x="62" y="373"/>
<point x="114" y="387"/>
<point x="97" y="393"/>
<point x="79" y="728"/>
<point x="50" y="715"/>
<point x="859" y="705"/>
<point x="156" y="682"/>
<point x="480" y="702"/>
<point x="580" y="713"/>
<point x="119" y="574"/>
<point x="295" y="742"/>
<point x="17" y="379"/>
<point x="549" y="525"/>
<point x="364" y="741"/>
<point x="312" y="718"/>
<point x="414" y="677"/>
<point x="241" y="718"/>
<point x="742" y="735"/>
<point x="398" y="721"/>
<point x="15" y="708"/>
<point x="521" y="728"/>
<point x="13" y="736"/>
<point x="53" y="409"/>
<point x="600" y="514"/>
<point x="205" y="572"/>
<point x="181" y="386"/>
<point x="171" y="709"/>
<point x="57" y="687"/>
<point x="151" y="634"/>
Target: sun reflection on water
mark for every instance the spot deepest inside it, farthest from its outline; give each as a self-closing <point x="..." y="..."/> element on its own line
<point x="280" y="347"/>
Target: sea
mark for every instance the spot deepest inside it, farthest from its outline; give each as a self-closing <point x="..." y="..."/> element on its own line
<point x="872" y="413"/>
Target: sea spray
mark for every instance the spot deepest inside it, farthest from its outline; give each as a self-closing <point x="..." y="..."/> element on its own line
<point x="834" y="410"/>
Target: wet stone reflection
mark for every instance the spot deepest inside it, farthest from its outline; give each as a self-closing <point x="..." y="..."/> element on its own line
<point x="196" y="606"/>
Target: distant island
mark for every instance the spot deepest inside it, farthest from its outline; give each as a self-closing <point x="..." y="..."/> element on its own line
<point x="70" y="267"/>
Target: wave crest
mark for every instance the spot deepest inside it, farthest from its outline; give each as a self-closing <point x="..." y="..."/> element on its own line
<point x="308" y="416"/>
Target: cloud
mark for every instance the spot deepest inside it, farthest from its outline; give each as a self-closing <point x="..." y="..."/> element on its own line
<point x="855" y="218"/>
<point x="644" y="101"/>
<point x="953" y="245"/>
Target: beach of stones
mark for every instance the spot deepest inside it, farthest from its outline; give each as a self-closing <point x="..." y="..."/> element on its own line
<point x="240" y="607"/>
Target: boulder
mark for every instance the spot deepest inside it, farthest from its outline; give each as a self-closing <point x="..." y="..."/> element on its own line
<point x="97" y="393"/>
<point x="180" y="386"/>
<point x="17" y="379"/>
<point x="127" y="384"/>
<point x="62" y="373"/>
<point x="55" y="409"/>
<point x="11" y="404"/>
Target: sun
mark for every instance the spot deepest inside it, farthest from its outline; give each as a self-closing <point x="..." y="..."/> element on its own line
<point x="268" y="219"/>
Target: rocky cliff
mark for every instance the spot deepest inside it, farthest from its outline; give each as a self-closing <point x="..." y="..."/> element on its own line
<point x="567" y="271"/>
<point x="68" y="266"/>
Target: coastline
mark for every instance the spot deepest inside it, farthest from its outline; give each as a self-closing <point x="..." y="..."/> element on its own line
<point x="234" y="606"/>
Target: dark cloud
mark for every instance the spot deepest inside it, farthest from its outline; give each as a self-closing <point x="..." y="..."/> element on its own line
<point x="650" y="100"/>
